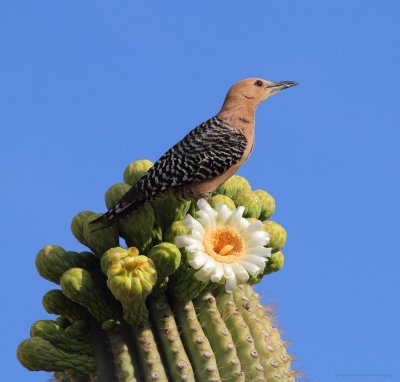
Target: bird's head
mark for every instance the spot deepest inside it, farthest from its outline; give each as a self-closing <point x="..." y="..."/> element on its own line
<point x="257" y="90"/>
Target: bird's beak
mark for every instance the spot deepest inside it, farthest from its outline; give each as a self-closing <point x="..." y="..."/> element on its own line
<point x="282" y="85"/>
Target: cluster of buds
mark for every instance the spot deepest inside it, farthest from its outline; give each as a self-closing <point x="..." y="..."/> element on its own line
<point x="165" y="294"/>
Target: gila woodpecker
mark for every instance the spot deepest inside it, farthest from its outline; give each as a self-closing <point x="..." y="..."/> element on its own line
<point x="207" y="156"/>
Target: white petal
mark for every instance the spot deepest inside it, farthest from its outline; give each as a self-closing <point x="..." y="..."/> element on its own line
<point x="206" y="220"/>
<point x="241" y="274"/>
<point x="194" y="247"/>
<point x="217" y="273"/>
<point x="203" y="205"/>
<point x="180" y="241"/>
<point x="258" y="251"/>
<point x="205" y="272"/>
<point x="197" y="259"/>
<point x="206" y="208"/>
<point x="202" y="275"/>
<point x="230" y="284"/>
<point x="257" y="260"/>
<point x="224" y="213"/>
<point x="198" y="234"/>
<point x="228" y="272"/>
<point x="238" y="222"/>
<point x="258" y="238"/>
<point x="236" y="217"/>
<point x="251" y="229"/>
<point x="191" y="223"/>
<point x="253" y="269"/>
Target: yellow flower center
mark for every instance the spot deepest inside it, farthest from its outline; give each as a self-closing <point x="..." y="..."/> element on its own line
<point x="224" y="244"/>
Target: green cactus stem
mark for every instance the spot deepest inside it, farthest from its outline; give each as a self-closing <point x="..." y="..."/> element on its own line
<point x="220" y="338"/>
<point x="148" y="353"/>
<point x="177" y="362"/>
<point x="197" y="344"/>
<point x="281" y="362"/>
<point x="261" y="340"/>
<point x="131" y="278"/>
<point x="242" y="338"/>
<point x="123" y="360"/>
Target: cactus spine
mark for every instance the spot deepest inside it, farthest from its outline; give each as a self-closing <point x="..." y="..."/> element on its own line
<point x="136" y="313"/>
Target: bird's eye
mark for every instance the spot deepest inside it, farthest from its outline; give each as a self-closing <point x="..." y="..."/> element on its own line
<point x="258" y="83"/>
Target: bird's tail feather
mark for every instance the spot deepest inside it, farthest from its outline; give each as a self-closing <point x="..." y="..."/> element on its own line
<point x="119" y="211"/>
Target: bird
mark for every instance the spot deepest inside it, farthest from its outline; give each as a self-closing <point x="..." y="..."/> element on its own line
<point x="207" y="156"/>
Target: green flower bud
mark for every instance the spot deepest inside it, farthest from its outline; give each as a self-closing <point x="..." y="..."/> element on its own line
<point x="166" y="257"/>
<point x="136" y="170"/>
<point x="157" y="233"/>
<point x="174" y="230"/>
<point x="62" y="322"/>
<point x="115" y="193"/>
<point x="222" y="199"/>
<point x="233" y="185"/>
<point x="250" y="201"/>
<point x="168" y="211"/>
<point x="137" y="228"/>
<point x="275" y="263"/>
<point x="39" y="354"/>
<point x="78" y="329"/>
<point x="267" y="204"/>
<point x="55" y="302"/>
<point x="277" y="235"/>
<point x="99" y="241"/>
<point x="77" y="284"/>
<point x="52" y="261"/>
<point x="131" y="278"/>
<point x="50" y="331"/>
<point x="77" y="226"/>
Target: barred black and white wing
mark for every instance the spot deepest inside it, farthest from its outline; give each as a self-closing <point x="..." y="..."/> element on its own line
<point x="205" y="153"/>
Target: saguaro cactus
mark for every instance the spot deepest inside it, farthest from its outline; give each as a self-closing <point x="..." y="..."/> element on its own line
<point x="175" y="304"/>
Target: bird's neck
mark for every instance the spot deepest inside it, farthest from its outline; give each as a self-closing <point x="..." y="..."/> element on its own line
<point x="238" y="113"/>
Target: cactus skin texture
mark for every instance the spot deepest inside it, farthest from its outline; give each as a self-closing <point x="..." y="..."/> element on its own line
<point x="135" y="313"/>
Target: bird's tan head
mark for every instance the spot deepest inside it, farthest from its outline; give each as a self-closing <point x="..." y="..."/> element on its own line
<point x="253" y="91"/>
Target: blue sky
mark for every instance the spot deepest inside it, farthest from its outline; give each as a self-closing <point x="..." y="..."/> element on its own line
<point x="87" y="87"/>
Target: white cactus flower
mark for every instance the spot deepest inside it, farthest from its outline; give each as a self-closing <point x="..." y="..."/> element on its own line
<point x="223" y="246"/>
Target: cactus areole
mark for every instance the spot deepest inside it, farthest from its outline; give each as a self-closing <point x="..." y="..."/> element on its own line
<point x="166" y="294"/>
